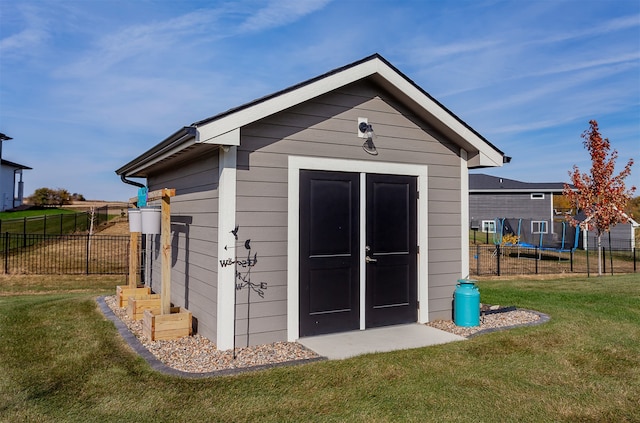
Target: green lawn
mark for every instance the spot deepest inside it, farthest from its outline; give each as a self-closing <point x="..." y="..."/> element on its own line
<point x="60" y="360"/>
<point x="51" y="221"/>
<point x="34" y="213"/>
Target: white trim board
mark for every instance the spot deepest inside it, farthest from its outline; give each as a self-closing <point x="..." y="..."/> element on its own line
<point x="464" y="214"/>
<point x="225" y="307"/>
<point x="296" y="164"/>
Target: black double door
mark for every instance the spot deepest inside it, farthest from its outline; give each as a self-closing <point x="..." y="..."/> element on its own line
<point x="330" y="251"/>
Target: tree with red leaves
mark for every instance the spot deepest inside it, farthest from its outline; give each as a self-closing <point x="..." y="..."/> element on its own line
<point x="602" y="196"/>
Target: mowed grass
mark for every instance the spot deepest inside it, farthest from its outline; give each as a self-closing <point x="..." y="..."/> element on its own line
<point x="11" y="285"/>
<point x="34" y="213"/>
<point x="60" y="360"/>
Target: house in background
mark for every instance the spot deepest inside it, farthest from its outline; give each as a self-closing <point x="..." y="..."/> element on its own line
<point x="342" y="199"/>
<point x="493" y="198"/>
<point x="11" y="184"/>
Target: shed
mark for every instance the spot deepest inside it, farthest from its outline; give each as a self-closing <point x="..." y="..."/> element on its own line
<point x="342" y="200"/>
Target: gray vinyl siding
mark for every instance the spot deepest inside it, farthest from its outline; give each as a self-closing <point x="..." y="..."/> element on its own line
<point x="326" y="127"/>
<point x="490" y="206"/>
<point x="194" y="235"/>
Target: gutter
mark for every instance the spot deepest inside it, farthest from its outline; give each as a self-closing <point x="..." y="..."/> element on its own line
<point x="134" y="183"/>
<point x="173" y="141"/>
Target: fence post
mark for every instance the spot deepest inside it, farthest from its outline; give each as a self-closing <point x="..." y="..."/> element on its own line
<point x="634" y="259"/>
<point x="6" y="253"/>
<point x="498" y="257"/>
<point x="538" y="258"/>
<point x="477" y="258"/>
<point x="571" y="258"/>
<point x="87" y="250"/>
<point x="610" y="255"/>
<point x="604" y="260"/>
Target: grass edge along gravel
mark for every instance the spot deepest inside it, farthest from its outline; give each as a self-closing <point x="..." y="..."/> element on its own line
<point x="61" y="360"/>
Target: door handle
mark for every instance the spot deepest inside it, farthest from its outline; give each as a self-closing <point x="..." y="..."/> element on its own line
<point x="368" y="259"/>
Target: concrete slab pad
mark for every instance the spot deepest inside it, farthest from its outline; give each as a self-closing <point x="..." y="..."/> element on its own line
<point x="343" y="345"/>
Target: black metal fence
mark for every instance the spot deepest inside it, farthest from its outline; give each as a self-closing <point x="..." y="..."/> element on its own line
<point x="488" y="259"/>
<point x="64" y="254"/>
<point x="56" y="224"/>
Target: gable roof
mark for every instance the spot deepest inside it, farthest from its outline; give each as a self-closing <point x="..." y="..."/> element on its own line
<point x="224" y="129"/>
<point x="487" y="183"/>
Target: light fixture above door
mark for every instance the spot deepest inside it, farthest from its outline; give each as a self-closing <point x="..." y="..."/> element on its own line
<point x="365" y="130"/>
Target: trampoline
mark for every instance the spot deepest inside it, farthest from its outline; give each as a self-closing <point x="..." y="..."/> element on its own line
<point x="535" y="234"/>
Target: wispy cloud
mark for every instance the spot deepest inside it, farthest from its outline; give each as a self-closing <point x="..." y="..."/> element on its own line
<point x="521" y="53"/>
<point x="605" y="27"/>
<point x="577" y="65"/>
<point x="544" y="90"/>
<point x="187" y="36"/>
<point x="34" y="34"/>
<point x="281" y="12"/>
<point x="153" y="41"/>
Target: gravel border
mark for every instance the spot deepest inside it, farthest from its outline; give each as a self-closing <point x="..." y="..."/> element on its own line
<point x="542" y="318"/>
<point x="495" y="319"/>
<point x="490" y="322"/>
<point x="159" y="366"/>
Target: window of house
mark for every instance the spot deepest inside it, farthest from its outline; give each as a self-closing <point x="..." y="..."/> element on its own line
<point x="537" y="196"/>
<point x="539" y="227"/>
<point x="489" y="226"/>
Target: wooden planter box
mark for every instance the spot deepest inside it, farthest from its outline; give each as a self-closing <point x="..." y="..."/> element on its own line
<point x="123" y="292"/>
<point x="137" y="304"/>
<point x="166" y="326"/>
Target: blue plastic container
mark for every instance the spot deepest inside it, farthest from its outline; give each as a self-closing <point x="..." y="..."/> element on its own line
<point x="466" y="304"/>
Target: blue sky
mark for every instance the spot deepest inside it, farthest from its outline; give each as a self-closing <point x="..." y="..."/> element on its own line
<point x="86" y="86"/>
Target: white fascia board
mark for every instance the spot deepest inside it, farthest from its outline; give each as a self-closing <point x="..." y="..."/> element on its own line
<point x="487" y="156"/>
<point x="215" y="131"/>
<point x="228" y="138"/>
<point x="161" y="156"/>
<point x="209" y="131"/>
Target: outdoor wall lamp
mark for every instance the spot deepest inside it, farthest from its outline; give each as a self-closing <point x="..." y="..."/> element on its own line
<point x="365" y="130"/>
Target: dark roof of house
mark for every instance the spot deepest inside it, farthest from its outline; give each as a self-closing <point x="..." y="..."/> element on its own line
<point x="16" y="165"/>
<point x="482" y="182"/>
